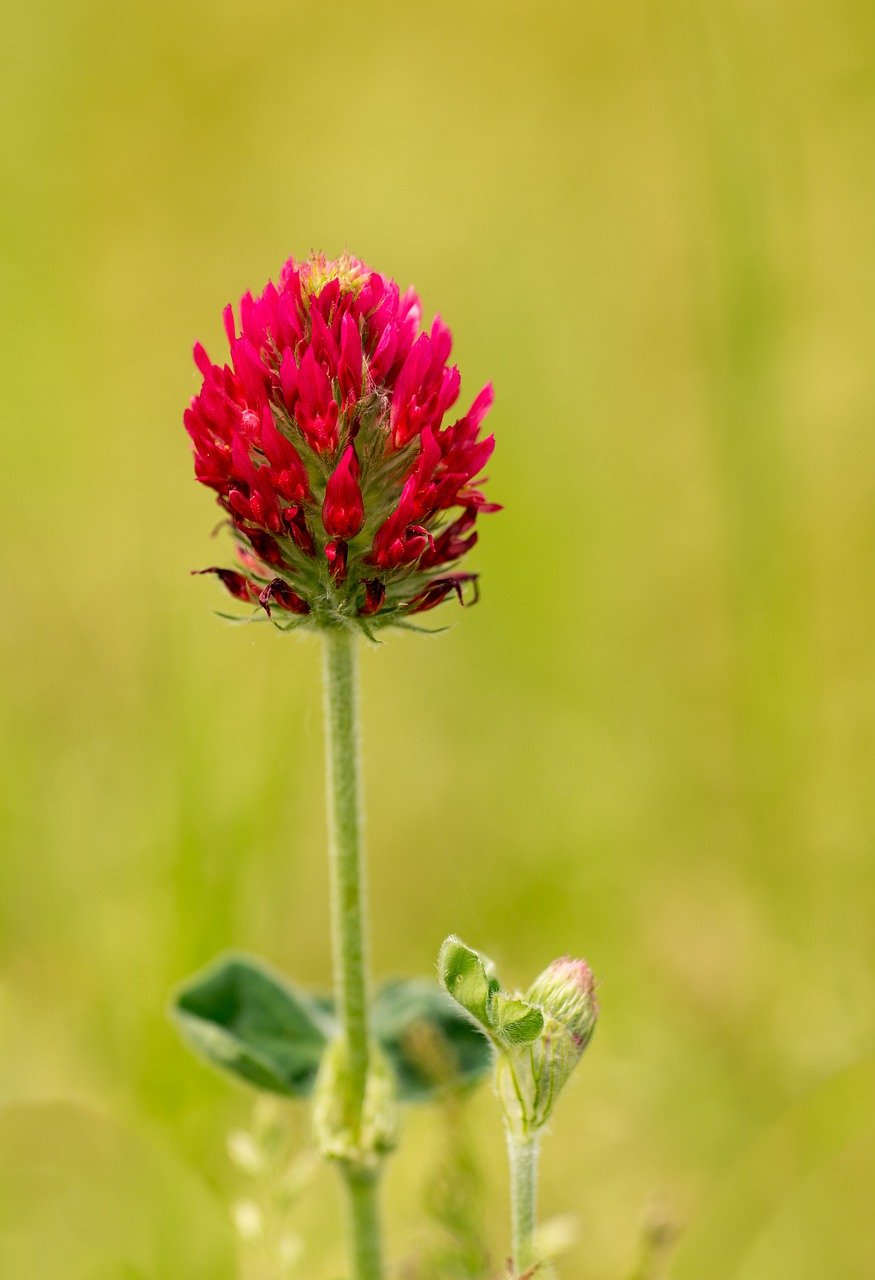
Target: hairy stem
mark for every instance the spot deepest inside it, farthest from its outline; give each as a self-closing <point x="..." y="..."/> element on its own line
<point x="523" y="1199"/>
<point x="364" y="1216"/>
<point x="349" y="934"/>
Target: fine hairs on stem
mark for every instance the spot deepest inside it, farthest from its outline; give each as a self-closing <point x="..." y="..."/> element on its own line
<point x="538" y="1038"/>
<point x="349" y="930"/>
<point x="523" y="1156"/>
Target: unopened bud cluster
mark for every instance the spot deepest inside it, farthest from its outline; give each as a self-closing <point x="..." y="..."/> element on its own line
<point x="349" y="499"/>
<point x="539" y="1037"/>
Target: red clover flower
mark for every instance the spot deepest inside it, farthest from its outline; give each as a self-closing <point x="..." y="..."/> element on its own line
<point x="349" y="500"/>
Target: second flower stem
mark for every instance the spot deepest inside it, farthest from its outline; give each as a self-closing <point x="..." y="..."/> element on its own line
<point x="349" y="931"/>
<point x="523" y="1198"/>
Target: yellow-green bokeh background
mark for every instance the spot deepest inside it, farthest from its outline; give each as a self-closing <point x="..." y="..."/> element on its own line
<point x="652" y="743"/>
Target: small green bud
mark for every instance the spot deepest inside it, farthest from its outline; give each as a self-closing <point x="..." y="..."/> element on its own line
<point x="336" y="1134"/>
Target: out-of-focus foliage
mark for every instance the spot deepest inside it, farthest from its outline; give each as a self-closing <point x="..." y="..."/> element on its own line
<point x="450" y="1243"/>
<point x="82" y="1198"/>
<point x="650" y="744"/>
<point x="245" y="1020"/>
<point x="252" y="1024"/>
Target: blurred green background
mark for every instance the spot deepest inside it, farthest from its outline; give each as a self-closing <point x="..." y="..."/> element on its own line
<point x="652" y="743"/>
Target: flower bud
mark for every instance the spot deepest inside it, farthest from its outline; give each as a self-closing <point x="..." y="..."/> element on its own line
<point x="529" y="1083"/>
<point x="566" y="993"/>
<point x="539" y="1037"/>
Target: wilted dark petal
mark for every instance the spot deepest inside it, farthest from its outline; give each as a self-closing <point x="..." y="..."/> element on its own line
<point x="337" y="555"/>
<point x="280" y="593"/>
<point x="473" y="498"/>
<point x="375" y="594"/>
<point x="451" y="544"/>
<point x="265" y="547"/>
<point x="296" y="523"/>
<point x="437" y="591"/>
<point x="234" y="582"/>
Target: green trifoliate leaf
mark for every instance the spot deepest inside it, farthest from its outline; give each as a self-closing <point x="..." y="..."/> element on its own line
<point x="429" y="1042"/>
<point x="467" y="977"/>
<point x="248" y="1022"/>
<point x="514" y="1020"/>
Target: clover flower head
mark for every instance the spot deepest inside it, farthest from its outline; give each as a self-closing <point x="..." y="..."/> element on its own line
<point x="349" y="497"/>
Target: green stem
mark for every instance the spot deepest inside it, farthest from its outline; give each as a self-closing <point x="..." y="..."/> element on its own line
<point x="523" y="1199"/>
<point x="364" y="1216"/>
<point x="349" y="947"/>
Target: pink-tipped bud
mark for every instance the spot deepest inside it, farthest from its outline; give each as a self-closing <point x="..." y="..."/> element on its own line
<point x="566" y="992"/>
